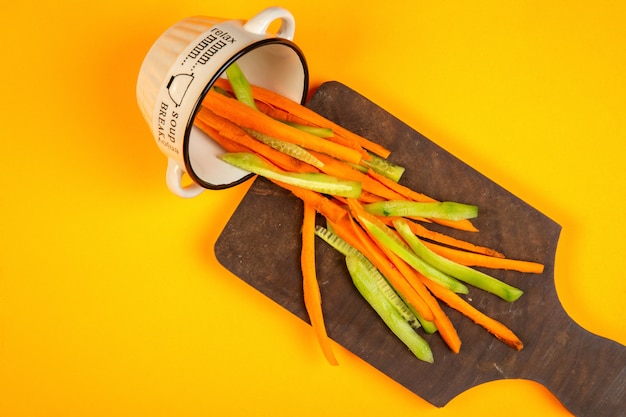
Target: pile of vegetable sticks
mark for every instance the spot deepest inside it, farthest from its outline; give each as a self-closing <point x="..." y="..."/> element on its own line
<point x="403" y="269"/>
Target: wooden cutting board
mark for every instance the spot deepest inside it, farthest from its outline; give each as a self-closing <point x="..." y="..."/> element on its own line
<point x="261" y="244"/>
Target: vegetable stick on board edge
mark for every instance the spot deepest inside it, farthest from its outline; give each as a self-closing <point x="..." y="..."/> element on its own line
<point x="312" y="296"/>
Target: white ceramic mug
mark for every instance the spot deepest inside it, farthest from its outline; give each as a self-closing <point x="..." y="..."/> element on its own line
<point x="181" y="67"/>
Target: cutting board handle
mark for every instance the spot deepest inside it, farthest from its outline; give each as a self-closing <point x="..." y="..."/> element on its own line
<point x="590" y="379"/>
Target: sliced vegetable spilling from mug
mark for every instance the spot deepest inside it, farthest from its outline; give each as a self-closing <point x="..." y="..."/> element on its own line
<point x="402" y="269"/>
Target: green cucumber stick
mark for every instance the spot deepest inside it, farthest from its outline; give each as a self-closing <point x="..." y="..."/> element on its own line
<point x="464" y="273"/>
<point x="386" y="237"/>
<point x="366" y="285"/>
<point x="240" y="84"/>
<point x="288" y="148"/>
<point x="343" y="247"/>
<point x="429" y="326"/>
<point x="384" y="167"/>
<point x="322" y="132"/>
<point x="445" y="210"/>
<point x="319" y="182"/>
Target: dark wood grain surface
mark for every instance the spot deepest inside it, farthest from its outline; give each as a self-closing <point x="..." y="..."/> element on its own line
<point x="261" y="244"/>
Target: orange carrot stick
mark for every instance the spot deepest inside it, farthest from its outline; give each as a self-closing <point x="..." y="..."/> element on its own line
<point x="465" y="224"/>
<point x="229" y="145"/>
<point x="413" y="195"/>
<point x="304" y="115"/>
<point x="216" y="127"/>
<point x="312" y="296"/>
<point x="495" y="327"/>
<point x="478" y="259"/>
<point x="355" y="236"/>
<point x="278" y="113"/>
<point x="367" y="197"/>
<point x="245" y="116"/>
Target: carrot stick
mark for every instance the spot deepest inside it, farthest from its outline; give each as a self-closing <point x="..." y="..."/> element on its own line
<point x="325" y="206"/>
<point x="465" y="225"/>
<point x="278" y="113"/>
<point x="245" y="116"/>
<point x="304" y="115"/>
<point x="444" y="325"/>
<point x="355" y="236"/>
<point x="410" y="194"/>
<point x="340" y="169"/>
<point x="312" y="296"/>
<point x="425" y="233"/>
<point x="495" y="327"/>
<point x="229" y="145"/>
<point x="367" y="197"/>
<point x="478" y="259"/>
<point x="216" y="127"/>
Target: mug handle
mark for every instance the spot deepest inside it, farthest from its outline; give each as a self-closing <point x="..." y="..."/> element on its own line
<point x="173" y="179"/>
<point x="260" y="22"/>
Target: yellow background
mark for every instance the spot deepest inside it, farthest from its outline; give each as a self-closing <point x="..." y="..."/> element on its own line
<point x="111" y="300"/>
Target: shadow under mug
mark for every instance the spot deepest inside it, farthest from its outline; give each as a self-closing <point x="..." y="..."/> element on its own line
<point x="181" y="67"/>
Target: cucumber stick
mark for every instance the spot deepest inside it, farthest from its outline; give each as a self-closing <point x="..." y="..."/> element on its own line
<point x="343" y="247"/>
<point x="321" y="132"/>
<point x="240" y="84"/>
<point x="464" y="273"/>
<point x="428" y="326"/>
<point x="384" y="167"/>
<point x="366" y="285"/>
<point x="445" y="210"/>
<point x="291" y="149"/>
<point x="319" y="182"/>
